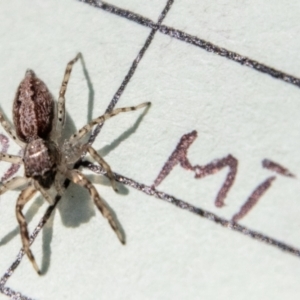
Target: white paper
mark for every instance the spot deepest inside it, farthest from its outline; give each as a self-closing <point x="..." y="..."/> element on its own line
<point x="170" y="253"/>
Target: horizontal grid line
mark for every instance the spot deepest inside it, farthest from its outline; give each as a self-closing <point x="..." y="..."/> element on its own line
<point x="164" y="197"/>
<point x="194" y="40"/>
<point x="229" y="224"/>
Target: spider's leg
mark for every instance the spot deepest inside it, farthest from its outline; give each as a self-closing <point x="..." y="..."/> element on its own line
<point x="15" y="159"/>
<point x="15" y="166"/>
<point x="87" y="128"/>
<point x="13" y="183"/>
<point x="60" y="121"/>
<point x="24" y="197"/>
<point x="44" y="193"/>
<point x="78" y="178"/>
<point x="96" y="156"/>
<point x="10" y="131"/>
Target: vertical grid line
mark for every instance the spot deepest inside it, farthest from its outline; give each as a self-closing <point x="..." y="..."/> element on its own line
<point x="11" y="293"/>
<point x="132" y="69"/>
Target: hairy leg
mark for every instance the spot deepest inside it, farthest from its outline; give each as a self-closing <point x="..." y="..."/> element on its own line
<point x="24" y="197"/>
<point x="78" y="178"/>
<point x="14" y="159"/>
<point x="87" y="128"/>
<point x="61" y="112"/>
<point x="13" y="183"/>
<point x="104" y="164"/>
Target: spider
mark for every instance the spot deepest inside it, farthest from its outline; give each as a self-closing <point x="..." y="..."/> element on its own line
<point x="48" y="160"/>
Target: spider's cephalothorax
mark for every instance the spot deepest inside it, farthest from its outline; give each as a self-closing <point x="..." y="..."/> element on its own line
<point x="40" y="160"/>
<point x="47" y="159"/>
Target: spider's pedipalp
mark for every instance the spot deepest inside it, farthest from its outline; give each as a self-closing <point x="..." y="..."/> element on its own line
<point x="96" y="156"/>
<point x="61" y="111"/>
<point x="13" y="183"/>
<point x="24" y="197"/>
<point x="14" y="159"/>
<point x="78" y="178"/>
<point x="87" y="128"/>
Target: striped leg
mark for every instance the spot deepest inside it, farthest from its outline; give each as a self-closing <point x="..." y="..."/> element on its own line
<point x="14" y="159"/>
<point x="78" y="178"/>
<point x="24" y="197"/>
<point x="10" y="131"/>
<point x="87" y="128"/>
<point x="61" y="114"/>
<point x="105" y="165"/>
<point x="13" y="183"/>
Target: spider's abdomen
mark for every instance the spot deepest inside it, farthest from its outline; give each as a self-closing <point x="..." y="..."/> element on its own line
<point x="33" y="109"/>
<point x="40" y="161"/>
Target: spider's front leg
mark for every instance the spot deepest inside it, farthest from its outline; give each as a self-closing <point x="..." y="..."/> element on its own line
<point x="78" y="178"/>
<point x="87" y="128"/>
<point x="24" y="197"/>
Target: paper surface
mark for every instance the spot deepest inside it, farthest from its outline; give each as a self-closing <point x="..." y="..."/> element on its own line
<point x="237" y="110"/>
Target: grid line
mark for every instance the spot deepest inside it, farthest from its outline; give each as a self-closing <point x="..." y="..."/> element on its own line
<point x="190" y="39"/>
<point x="151" y="191"/>
<point x="196" y="41"/>
<point x="8" y="291"/>
<point x="133" y="67"/>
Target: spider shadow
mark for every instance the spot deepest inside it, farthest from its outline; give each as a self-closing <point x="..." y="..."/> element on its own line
<point x="124" y="136"/>
<point x="77" y="206"/>
<point x="79" y="209"/>
<point x="85" y="210"/>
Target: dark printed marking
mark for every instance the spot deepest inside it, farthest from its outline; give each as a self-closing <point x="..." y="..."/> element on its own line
<point x="253" y="199"/>
<point x="179" y="155"/>
<point x="275" y="167"/>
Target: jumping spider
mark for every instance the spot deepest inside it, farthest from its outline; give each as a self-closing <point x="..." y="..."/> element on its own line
<point x="47" y="159"/>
